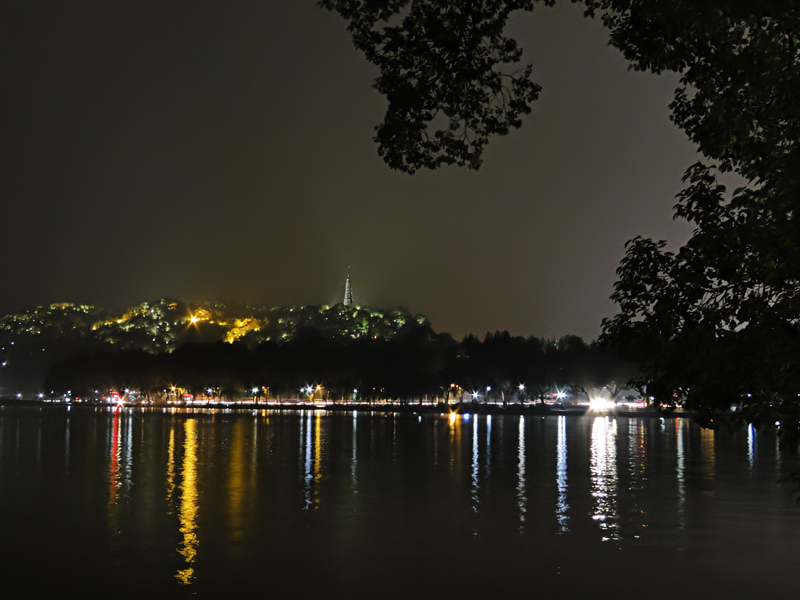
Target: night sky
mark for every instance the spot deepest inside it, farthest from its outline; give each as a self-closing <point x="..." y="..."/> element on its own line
<point x="224" y="150"/>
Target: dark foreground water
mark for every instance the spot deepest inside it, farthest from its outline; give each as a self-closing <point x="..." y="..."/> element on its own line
<point x="313" y="504"/>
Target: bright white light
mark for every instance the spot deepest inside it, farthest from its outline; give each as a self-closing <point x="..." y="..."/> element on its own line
<point x="521" y="386"/>
<point x="561" y="395"/>
<point x="255" y="390"/>
<point x="466" y="416"/>
<point x="475" y="395"/>
<point x="601" y="404"/>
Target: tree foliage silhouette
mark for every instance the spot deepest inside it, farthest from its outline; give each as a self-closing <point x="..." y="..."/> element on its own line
<point x="715" y="324"/>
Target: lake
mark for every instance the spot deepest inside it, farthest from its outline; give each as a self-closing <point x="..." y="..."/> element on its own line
<point x="134" y="503"/>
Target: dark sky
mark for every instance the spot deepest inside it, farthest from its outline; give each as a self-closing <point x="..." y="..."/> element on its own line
<point x="199" y="149"/>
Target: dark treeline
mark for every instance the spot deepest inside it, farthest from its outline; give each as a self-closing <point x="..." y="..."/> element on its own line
<point x="416" y="363"/>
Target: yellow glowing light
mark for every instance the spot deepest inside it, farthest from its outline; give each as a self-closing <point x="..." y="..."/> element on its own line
<point x="453" y="417"/>
<point x="189" y="505"/>
<point x="185" y="576"/>
<point x="194" y="319"/>
<point x="242" y="327"/>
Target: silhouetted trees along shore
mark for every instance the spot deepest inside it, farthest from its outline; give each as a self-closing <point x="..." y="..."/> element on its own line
<point x="416" y="363"/>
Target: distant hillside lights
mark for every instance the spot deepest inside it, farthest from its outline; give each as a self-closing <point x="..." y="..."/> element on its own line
<point x="50" y="333"/>
<point x="242" y="327"/>
<point x="32" y="341"/>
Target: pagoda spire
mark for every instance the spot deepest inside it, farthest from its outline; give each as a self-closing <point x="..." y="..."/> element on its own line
<point x="348" y="290"/>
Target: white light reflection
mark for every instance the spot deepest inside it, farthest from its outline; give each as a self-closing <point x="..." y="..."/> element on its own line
<point x="680" y="473"/>
<point x="561" y="476"/>
<point x="354" y="480"/>
<point x="127" y="463"/>
<point x="751" y="446"/>
<point x="604" y="478"/>
<point x="475" y="465"/>
<point x="522" y="500"/>
<point x="308" y="475"/>
<point x="254" y="453"/>
<point x="302" y="435"/>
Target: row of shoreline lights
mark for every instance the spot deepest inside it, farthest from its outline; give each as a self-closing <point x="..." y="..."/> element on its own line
<point x="476" y="395"/>
<point x="595" y="404"/>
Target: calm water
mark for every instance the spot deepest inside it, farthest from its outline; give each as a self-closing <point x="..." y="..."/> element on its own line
<point x="148" y="504"/>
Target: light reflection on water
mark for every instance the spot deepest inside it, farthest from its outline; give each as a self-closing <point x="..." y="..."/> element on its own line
<point x="114" y="451"/>
<point x="189" y="503"/>
<point x="215" y="496"/>
<point x="522" y="498"/>
<point x="317" y="459"/>
<point x="680" y="470"/>
<point x="308" y="462"/>
<point x="561" y="476"/>
<point x="170" y="468"/>
<point x="604" y="476"/>
<point x="475" y="462"/>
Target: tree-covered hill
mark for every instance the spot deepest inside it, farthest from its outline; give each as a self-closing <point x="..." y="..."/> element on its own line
<point x="32" y="340"/>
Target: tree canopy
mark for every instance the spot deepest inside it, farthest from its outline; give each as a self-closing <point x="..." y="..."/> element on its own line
<point x="715" y="324"/>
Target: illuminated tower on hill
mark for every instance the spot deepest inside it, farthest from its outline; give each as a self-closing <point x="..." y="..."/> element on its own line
<point x="348" y="290"/>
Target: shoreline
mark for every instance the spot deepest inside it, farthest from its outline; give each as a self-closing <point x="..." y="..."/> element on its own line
<point x="441" y="409"/>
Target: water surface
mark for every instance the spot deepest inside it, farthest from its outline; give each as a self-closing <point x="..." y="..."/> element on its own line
<point x="174" y="504"/>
